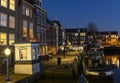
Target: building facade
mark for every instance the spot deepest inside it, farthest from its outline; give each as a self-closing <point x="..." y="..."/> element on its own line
<point x="75" y="37"/>
<point x="22" y="21"/>
<point x="32" y="23"/>
<point x="55" y="36"/>
<point x="51" y="37"/>
<point x="8" y="25"/>
<point x="80" y="36"/>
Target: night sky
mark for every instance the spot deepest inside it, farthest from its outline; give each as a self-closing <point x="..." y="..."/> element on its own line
<point x="78" y="13"/>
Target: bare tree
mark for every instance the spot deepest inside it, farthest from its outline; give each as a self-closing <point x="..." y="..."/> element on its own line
<point x="91" y="27"/>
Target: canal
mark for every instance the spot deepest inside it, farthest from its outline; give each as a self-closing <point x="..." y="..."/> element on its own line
<point x="110" y="59"/>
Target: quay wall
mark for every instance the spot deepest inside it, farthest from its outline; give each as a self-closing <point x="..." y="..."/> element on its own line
<point x="30" y="79"/>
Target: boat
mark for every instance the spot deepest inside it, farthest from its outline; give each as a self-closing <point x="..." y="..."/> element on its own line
<point x="100" y="72"/>
<point x="94" y="63"/>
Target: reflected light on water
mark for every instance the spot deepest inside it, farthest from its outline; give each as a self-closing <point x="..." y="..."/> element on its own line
<point x="113" y="60"/>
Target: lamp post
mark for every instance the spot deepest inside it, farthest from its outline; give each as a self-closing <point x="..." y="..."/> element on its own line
<point x="7" y="53"/>
<point x="64" y="49"/>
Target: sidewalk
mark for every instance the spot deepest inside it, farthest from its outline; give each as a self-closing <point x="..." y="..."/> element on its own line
<point x="13" y="77"/>
<point x="50" y="68"/>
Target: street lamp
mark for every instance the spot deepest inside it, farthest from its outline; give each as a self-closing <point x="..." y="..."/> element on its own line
<point x="7" y="53"/>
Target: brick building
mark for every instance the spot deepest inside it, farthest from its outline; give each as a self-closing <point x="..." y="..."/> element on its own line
<point x="22" y="21"/>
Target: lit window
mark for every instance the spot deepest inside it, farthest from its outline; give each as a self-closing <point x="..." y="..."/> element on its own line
<point x="25" y="28"/>
<point x="11" y="38"/>
<point x="31" y="30"/>
<point x="3" y="38"/>
<point x="3" y="19"/>
<point x="76" y="34"/>
<point x="27" y="11"/>
<point x="4" y="3"/>
<point x="12" y="22"/>
<point x="82" y="34"/>
<point x="12" y="4"/>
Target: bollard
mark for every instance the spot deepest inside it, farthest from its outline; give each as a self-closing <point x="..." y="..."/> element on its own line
<point x="59" y="61"/>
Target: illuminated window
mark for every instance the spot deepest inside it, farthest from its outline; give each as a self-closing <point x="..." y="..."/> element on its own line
<point x="3" y="19"/>
<point x="27" y="11"/>
<point x="3" y="38"/>
<point x="12" y="22"/>
<point x="25" y="28"/>
<point x="12" y="4"/>
<point x="76" y="34"/>
<point x="11" y="38"/>
<point x="31" y="30"/>
<point x="82" y="34"/>
<point x="4" y="3"/>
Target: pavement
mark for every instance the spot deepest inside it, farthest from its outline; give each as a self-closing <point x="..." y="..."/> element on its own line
<point x="50" y="69"/>
<point x="54" y="73"/>
<point x="13" y="77"/>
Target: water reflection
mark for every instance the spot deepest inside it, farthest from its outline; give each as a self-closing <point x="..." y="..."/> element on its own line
<point x="114" y="60"/>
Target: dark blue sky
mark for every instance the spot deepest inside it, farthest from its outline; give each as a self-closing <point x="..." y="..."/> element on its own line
<point x="78" y="13"/>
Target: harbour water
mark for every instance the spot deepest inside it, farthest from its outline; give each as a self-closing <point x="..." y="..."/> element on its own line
<point x="110" y="59"/>
<point x="114" y="59"/>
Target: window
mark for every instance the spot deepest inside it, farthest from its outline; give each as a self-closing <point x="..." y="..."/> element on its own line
<point x="23" y="54"/>
<point x="82" y="34"/>
<point x="25" y="23"/>
<point x="42" y="19"/>
<point x="23" y="10"/>
<point x="76" y="34"/>
<point x="38" y="32"/>
<point x="27" y="11"/>
<point x="31" y="30"/>
<point x="12" y="22"/>
<point x="12" y="4"/>
<point x="3" y="38"/>
<point x="4" y="3"/>
<point x="31" y="13"/>
<point x="34" y="54"/>
<point x="3" y="19"/>
<point x="11" y="38"/>
<point x="45" y="20"/>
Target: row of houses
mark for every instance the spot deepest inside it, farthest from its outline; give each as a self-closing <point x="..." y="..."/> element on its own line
<point x="23" y="21"/>
<point x="81" y="36"/>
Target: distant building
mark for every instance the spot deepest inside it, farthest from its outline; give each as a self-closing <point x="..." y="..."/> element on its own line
<point x="51" y="37"/>
<point x="75" y="36"/>
<point x="55" y="36"/>
<point x="80" y="36"/>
